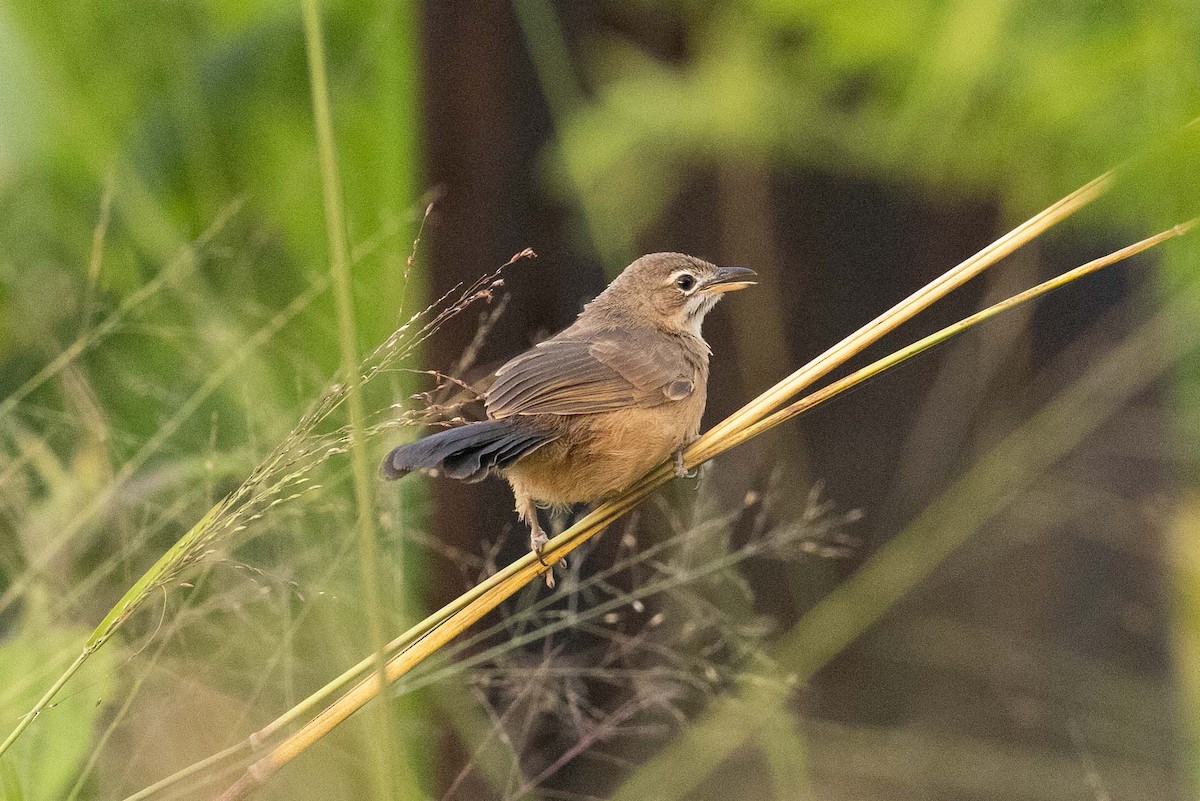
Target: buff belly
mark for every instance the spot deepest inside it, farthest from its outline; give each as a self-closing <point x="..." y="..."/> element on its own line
<point x="598" y="455"/>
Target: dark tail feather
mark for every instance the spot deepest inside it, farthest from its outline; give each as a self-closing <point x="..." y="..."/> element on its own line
<point x="467" y="453"/>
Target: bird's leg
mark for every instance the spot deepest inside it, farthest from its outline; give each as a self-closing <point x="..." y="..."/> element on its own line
<point x="681" y="470"/>
<point x="527" y="512"/>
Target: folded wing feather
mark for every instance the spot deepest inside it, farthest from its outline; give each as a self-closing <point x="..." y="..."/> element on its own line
<point x="569" y="376"/>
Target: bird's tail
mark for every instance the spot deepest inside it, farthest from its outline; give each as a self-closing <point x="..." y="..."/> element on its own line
<point x="467" y="453"/>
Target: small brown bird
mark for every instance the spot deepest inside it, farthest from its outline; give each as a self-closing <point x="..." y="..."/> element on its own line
<point x="583" y="415"/>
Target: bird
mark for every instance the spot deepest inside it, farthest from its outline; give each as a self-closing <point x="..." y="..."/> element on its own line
<point x="584" y="414"/>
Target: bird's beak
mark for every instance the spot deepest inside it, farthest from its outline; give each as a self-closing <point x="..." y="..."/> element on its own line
<point x="728" y="279"/>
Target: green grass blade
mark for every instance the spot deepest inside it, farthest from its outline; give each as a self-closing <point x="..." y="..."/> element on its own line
<point x="339" y="268"/>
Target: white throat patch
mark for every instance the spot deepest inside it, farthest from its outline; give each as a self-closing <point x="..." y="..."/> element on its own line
<point x="697" y="306"/>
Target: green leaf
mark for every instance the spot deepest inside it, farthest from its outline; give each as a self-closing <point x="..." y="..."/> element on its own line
<point x="10" y="783"/>
<point x="44" y="763"/>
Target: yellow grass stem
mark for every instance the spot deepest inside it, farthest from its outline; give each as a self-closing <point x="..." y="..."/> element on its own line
<point x="339" y="268"/>
<point x="982" y="493"/>
<point x="426" y="638"/>
<point x="903" y="311"/>
<point x="938" y="337"/>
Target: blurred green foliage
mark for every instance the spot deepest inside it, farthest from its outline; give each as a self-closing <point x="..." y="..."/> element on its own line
<point x="160" y="206"/>
<point x="182" y="113"/>
<point x="1017" y="102"/>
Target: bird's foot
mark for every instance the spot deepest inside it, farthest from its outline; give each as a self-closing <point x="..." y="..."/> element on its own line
<point x="681" y="470"/>
<point x="537" y="542"/>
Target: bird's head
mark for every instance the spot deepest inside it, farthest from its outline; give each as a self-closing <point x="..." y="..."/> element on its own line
<point x="671" y="290"/>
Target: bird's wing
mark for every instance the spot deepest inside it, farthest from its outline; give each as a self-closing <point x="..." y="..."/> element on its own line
<point x="569" y="376"/>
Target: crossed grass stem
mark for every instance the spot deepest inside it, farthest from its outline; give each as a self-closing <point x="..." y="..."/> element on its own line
<point x="428" y="637"/>
<point x="667" y="568"/>
<point x="686" y="651"/>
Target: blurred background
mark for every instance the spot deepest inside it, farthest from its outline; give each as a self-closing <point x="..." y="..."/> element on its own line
<point x="1022" y="502"/>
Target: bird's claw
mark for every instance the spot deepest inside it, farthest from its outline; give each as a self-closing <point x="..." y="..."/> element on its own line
<point x="537" y="542"/>
<point x="681" y="470"/>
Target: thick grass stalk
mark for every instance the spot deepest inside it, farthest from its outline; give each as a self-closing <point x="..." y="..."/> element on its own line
<point x="339" y="268"/>
<point x="905" y="310"/>
<point x="979" y="496"/>
<point x="441" y="627"/>
<point x="938" y="337"/>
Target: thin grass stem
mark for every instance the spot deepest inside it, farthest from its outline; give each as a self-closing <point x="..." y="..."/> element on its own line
<point x="280" y="472"/>
<point x="184" y="262"/>
<point x="44" y="701"/>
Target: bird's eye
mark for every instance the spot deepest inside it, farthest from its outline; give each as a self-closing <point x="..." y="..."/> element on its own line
<point x="686" y="282"/>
